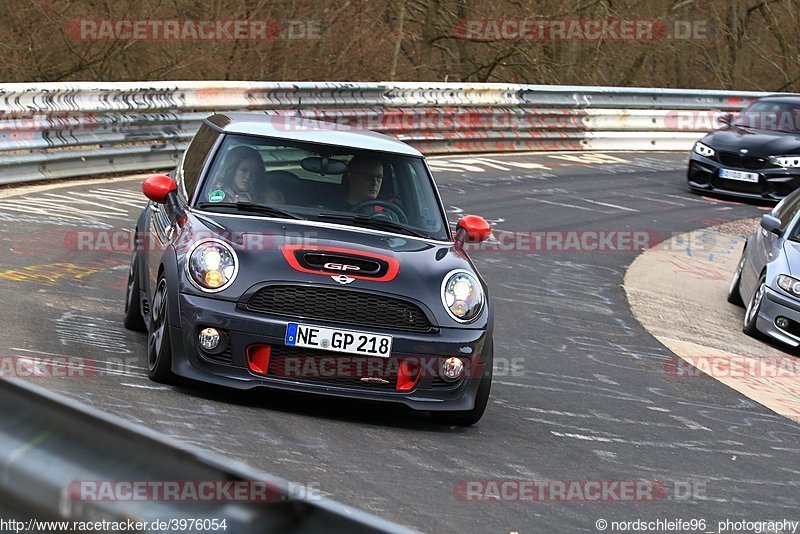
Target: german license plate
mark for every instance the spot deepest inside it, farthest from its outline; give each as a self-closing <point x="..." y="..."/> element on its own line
<point x="739" y="175"/>
<point x="336" y="340"/>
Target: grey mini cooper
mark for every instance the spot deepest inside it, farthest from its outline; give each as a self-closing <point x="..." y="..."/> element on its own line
<point x="301" y="256"/>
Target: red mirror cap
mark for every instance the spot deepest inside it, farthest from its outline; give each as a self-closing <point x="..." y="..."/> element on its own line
<point x="157" y="187"/>
<point x="477" y="228"/>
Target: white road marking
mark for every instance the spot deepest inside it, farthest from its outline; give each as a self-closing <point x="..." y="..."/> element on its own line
<point x="651" y="199"/>
<point x="692" y="445"/>
<point x="595" y="415"/>
<point x="690" y="199"/>
<point x="689" y="423"/>
<point x="82" y="200"/>
<point x="141" y="386"/>
<point x="589" y="158"/>
<point x="85" y="206"/>
<point x="606" y="455"/>
<point x="106" y="199"/>
<point x="465" y="164"/>
<point x="74" y="328"/>
<point x="561" y="204"/>
<point x="30" y="209"/>
<point x="606" y="380"/>
<point x="623" y="208"/>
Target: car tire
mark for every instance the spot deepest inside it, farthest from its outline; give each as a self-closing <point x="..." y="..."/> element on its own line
<point x="133" y="306"/>
<point x="734" y="297"/>
<point x="159" y="349"/>
<point x="469" y="417"/>
<point x="753" y="307"/>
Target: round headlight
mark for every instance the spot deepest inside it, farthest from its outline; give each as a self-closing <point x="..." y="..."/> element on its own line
<point x="462" y="296"/>
<point x="212" y="265"/>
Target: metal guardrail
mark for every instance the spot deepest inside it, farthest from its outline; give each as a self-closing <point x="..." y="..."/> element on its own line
<point x="50" y="130"/>
<point x="49" y="445"/>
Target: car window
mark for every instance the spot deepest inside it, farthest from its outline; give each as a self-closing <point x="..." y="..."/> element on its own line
<point x="313" y="181"/>
<point x="787" y="208"/>
<point x="416" y="196"/>
<point x="195" y="156"/>
<point x="771" y="115"/>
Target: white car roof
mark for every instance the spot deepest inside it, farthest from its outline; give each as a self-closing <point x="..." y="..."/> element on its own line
<point x="284" y="126"/>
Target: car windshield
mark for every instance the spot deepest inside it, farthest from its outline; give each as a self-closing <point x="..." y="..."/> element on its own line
<point x="770" y="115"/>
<point x="339" y="185"/>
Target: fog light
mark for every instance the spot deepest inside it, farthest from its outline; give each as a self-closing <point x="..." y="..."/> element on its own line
<point x="782" y="322"/>
<point x="209" y="338"/>
<point x="452" y="368"/>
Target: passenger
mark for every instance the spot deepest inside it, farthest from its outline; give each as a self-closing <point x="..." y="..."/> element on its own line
<point x="241" y="179"/>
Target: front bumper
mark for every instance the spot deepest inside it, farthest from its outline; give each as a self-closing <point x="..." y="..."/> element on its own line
<point x="778" y="304"/>
<point x="246" y="328"/>
<point x="773" y="184"/>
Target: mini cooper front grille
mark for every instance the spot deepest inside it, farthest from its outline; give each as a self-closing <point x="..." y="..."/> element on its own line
<point x="441" y="383"/>
<point x="330" y="368"/>
<point x="339" y="306"/>
<point x="224" y="357"/>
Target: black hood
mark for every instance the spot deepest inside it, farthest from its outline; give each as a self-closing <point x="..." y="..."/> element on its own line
<point x="287" y="231"/>
<point x="265" y="248"/>
<point x="756" y="142"/>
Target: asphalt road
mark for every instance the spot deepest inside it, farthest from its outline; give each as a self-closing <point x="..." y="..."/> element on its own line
<point x="581" y="390"/>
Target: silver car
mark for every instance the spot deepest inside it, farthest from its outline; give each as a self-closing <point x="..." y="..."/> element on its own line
<point x="768" y="275"/>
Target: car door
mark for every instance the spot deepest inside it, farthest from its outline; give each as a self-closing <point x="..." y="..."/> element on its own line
<point x="163" y="229"/>
<point x="765" y="245"/>
<point x="160" y="234"/>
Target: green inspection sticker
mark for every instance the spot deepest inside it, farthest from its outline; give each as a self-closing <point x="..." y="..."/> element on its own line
<point x="216" y="196"/>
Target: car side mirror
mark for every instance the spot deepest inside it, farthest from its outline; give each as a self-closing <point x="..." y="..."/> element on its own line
<point x="770" y="223"/>
<point x="158" y="187"/>
<point x="472" y="229"/>
<point x="726" y="119"/>
<point x="162" y="189"/>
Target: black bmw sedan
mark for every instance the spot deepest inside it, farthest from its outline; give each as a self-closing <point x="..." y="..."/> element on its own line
<point x="755" y="155"/>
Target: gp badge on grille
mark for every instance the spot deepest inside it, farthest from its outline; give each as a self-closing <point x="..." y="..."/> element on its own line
<point x="335" y="261"/>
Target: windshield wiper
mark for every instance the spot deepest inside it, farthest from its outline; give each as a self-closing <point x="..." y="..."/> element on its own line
<point x="379" y="223"/>
<point x="249" y="206"/>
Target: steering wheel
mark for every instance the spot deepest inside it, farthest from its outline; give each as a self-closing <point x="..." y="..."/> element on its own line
<point x="392" y="211"/>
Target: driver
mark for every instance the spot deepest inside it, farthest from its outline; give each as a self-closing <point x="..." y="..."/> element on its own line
<point x="363" y="181"/>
